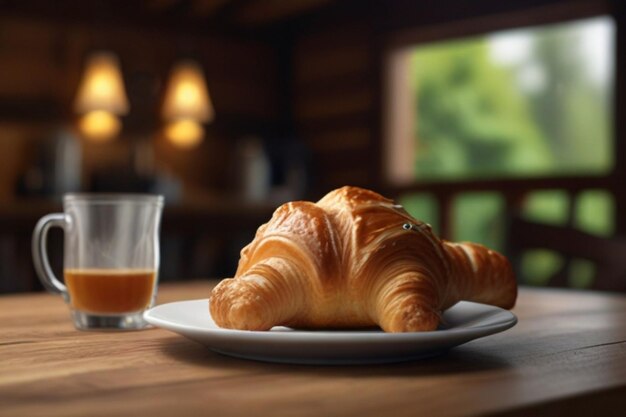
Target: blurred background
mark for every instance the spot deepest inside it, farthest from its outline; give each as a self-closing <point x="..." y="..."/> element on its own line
<point x="474" y="116"/>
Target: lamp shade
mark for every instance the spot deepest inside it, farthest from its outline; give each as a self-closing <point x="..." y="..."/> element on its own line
<point x="102" y="88"/>
<point x="187" y="96"/>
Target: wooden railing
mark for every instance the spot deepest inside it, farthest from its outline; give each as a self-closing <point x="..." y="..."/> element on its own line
<point x="513" y="191"/>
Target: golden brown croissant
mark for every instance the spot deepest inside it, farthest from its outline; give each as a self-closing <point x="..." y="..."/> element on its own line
<point x="354" y="259"/>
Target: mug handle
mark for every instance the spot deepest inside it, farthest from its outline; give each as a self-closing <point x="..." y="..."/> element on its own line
<point x="40" y="256"/>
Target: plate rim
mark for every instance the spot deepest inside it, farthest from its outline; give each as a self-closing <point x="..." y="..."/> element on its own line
<point x="509" y="320"/>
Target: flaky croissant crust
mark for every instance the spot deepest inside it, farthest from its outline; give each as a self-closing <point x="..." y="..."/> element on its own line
<point x="355" y="259"/>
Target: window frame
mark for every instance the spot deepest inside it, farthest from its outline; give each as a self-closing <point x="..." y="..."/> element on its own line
<point x="513" y="190"/>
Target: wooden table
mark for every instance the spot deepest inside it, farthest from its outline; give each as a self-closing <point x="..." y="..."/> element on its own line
<point x="566" y="356"/>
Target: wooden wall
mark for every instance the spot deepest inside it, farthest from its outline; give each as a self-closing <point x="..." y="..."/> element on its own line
<point x="41" y="60"/>
<point x="335" y="104"/>
<point x="338" y="72"/>
<point x="40" y="65"/>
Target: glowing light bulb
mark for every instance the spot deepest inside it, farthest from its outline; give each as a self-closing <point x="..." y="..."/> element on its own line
<point x="100" y="125"/>
<point x="184" y="133"/>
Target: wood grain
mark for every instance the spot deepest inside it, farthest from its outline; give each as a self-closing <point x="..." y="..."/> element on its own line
<point x="333" y="96"/>
<point x="567" y="354"/>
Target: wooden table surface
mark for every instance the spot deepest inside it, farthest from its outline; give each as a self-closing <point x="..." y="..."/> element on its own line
<point x="566" y="356"/>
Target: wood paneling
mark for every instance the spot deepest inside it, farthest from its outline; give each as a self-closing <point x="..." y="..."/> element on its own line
<point x="41" y="63"/>
<point x="343" y="160"/>
<point x="319" y="61"/>
<point x="259" y="12"/>
<point x="29" y="60"/>
<point x="334" y="102"/>
<point x="353" y="138"/>
<point x="16" y="142"/>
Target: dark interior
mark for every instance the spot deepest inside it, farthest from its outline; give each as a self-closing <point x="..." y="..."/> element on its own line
<point x="307" y="80"/>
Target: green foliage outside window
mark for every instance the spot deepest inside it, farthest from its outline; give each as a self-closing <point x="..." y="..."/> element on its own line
<point x="547" y="113"/>
<point x="470" y="120"/>
<point x="543" y="114"/>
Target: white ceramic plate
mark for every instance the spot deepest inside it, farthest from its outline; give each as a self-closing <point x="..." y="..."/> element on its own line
<point x="461" y="323"/>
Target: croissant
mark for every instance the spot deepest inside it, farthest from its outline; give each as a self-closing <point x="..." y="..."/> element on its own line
<point x="355" y="259"/>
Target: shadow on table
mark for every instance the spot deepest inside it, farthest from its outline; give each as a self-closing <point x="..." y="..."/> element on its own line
<point x="463" y="359"/>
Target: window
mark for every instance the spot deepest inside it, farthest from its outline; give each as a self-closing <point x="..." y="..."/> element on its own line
<point x="520" y="103"/>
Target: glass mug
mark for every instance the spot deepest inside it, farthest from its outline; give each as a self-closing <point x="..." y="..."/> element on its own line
<point x="110" y="260"/>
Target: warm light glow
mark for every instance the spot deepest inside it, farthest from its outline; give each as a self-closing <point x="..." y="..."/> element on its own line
<point x="100" y="125"/>
<point x="101" y="87"/>
<point x="187" y="96"/>
<point x="184" y="133"/>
